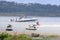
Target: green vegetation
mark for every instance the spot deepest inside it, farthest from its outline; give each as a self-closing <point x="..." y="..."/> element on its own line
<point x="24" y="37"/>
<point x="4" y="36"/>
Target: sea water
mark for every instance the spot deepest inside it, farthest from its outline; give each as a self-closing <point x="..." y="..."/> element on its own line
<point x="48" y="25"/>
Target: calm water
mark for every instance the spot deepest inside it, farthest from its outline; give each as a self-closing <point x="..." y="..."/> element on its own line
<point x="48" y="25"/>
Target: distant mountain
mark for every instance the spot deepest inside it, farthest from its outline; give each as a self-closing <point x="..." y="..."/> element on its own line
<point x="34" y="9"/>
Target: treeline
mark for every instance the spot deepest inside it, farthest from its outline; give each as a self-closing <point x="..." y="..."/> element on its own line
<point x="34" y="9"/>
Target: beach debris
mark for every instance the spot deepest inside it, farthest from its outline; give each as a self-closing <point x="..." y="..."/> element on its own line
<point x="34" y="35"/>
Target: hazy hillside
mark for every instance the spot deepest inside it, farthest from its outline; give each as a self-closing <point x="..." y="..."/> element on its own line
<point x="34" y="9"/>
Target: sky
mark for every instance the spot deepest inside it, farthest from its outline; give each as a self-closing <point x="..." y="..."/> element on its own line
<point x="53" y="2"/>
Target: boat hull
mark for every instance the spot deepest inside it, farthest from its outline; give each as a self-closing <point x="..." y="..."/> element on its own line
<point x="26" y="21"/>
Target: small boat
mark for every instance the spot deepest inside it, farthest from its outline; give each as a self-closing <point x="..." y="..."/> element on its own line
<point x="23" y="19"/>
<point x="26" y="20"/>
<point x="31" y="27"/>
<point x="9" y="28"/>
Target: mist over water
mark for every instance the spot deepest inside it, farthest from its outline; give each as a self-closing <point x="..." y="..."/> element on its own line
<point x="48" y="25"/>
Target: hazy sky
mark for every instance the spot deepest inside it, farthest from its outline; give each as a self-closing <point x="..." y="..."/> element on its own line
<point x="53" y="2"/>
